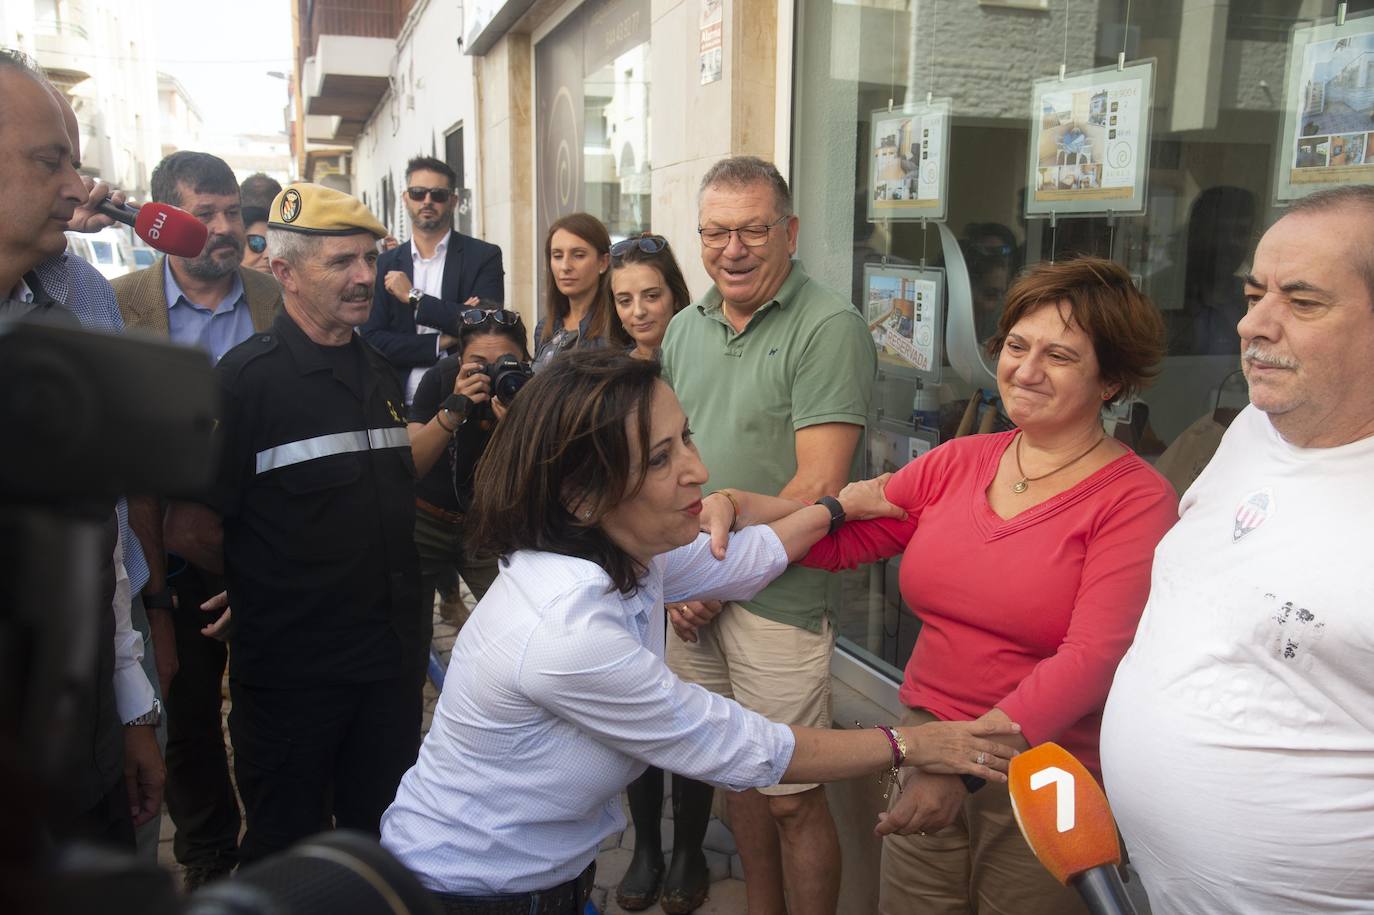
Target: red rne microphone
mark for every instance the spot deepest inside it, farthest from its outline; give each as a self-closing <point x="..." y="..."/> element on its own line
<point x="169" y="229"/>
<point x="1064" y="816"/>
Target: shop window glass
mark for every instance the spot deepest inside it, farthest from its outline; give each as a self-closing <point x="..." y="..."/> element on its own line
<point x="592" y="88"/>
<point x="1211" y="165"/>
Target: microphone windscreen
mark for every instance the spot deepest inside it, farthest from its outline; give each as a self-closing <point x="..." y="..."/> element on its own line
<point x="171" y="230"/>
<point x="1062" y="812"/>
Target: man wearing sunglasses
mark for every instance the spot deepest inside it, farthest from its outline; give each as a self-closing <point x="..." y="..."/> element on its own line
<point x="424" y="285"/>
<point x="214" y="302"/>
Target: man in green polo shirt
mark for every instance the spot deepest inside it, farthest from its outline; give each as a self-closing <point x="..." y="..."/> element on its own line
<point x="775" y="373"/>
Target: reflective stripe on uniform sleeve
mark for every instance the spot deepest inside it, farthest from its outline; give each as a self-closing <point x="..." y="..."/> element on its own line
<point x="308" y="449"/>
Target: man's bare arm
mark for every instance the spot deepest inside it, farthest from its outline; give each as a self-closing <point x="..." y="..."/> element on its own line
<point x="196" y="533"/>
<point x="825" y="453"/>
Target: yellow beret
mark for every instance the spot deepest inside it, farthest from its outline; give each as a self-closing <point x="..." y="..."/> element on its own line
<point x="319" y="210"/>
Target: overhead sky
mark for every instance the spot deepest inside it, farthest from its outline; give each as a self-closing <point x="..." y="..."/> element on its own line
<point x="222" y="53"/>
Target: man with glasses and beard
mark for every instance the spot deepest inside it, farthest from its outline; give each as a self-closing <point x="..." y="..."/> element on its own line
<point x="424" y="285"/>
<point x="311" y="521"/>
<point x="212" y="302"/>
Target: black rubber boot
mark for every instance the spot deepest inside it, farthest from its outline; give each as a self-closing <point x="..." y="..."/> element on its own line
<point x="689" y="878"/>
<point x="639" y="887"/>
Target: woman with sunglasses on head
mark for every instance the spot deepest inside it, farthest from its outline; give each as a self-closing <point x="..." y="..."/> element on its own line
<point x="647" y="289"/>
<point x="450" y="422"/>
<point x="255" y="247"/>
<point x="577" y="256"/>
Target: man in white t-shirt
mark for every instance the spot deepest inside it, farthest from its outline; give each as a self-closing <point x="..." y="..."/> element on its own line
<point x="1238" y="740"/>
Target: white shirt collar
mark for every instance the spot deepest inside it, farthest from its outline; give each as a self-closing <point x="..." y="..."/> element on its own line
<point x="439" y="250"/>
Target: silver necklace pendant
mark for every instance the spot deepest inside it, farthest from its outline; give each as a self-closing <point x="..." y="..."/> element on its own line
<point x="1019" y="486"/>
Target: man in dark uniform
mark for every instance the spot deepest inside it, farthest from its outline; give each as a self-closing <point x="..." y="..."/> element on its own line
<point x="312" y="519"/>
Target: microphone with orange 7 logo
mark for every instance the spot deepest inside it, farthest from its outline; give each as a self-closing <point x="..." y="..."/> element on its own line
<point x="1064" y="816"/>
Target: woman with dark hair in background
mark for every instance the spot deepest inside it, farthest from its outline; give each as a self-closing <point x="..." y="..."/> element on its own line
<point x="557" y="695"/>
<point x="577" y="256"/>
<point x="449" y="423"/>
<point x="647" y="289"/>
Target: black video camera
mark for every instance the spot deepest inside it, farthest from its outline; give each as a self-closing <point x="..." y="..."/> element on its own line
<point x="88" y="416"/>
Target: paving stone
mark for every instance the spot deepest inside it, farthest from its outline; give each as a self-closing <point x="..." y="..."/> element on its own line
<point x="727" y="898"/>
<point x="719" y="838"/>
<point x="718" y="864"/>
<point x="611" y="866"/>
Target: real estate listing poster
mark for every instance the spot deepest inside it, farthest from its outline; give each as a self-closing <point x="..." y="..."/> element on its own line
<point x="908" y="162"/>
<point x="1328" y="125"/>
<point x="888" y="451"/>
<point x="1090" y="141"/>
<point x="891" y="446"/>
<point x="905" y="307"/>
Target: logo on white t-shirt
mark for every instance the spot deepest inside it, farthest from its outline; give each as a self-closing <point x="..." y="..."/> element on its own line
<point x="1253" y="511"/>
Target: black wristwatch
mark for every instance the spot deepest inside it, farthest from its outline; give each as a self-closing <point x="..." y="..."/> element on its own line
<point x="414" y="296"/>
<point x="159" y="600"/>
<point x="836" y="510"/>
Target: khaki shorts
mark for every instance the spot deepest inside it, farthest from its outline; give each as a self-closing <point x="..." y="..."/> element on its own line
<point x="780" y="671"/>
<point x="978" y="863"/>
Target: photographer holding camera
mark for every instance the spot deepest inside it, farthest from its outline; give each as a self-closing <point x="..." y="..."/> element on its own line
<point x="456" y="407"/>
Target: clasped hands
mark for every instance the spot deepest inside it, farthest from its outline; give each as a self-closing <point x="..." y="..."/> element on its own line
<point x="861" y="500"/>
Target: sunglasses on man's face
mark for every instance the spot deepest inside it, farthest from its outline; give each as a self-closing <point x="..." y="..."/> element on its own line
<point x="437" y="194"/>
<point x="649" y="244"/>
<point x="257" y="243"/>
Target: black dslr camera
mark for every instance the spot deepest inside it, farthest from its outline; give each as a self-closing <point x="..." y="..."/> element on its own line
<point x="508" y="375"/>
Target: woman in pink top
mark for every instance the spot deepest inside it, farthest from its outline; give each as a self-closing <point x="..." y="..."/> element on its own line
<point x="1028" y="562"/>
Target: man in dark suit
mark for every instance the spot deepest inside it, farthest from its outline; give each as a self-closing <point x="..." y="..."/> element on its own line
<point x="423" y="286"/>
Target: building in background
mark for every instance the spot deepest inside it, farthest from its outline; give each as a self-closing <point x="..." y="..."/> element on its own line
<point x="100" y="54"/>
<point x="427" y="110"/>
<point x="181" y="121"/>
<point x="627" y="111"/>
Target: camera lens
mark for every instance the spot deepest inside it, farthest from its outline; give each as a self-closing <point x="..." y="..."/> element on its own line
<point x="341" y="872"/>
<point x="508" y="376"/>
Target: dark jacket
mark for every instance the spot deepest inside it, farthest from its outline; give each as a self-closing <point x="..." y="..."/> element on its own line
<point x="472" y="267"/>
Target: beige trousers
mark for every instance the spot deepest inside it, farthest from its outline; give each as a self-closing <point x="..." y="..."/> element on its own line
<point x="977" y="865"/>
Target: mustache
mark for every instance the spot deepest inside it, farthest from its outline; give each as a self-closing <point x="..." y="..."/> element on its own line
<point x="359" y="293"/>
<point x="216" y="242"/>
<point x="1253" y="353"/>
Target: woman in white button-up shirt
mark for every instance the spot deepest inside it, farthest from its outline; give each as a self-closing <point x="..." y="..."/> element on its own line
<point x="556" y="695"/>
